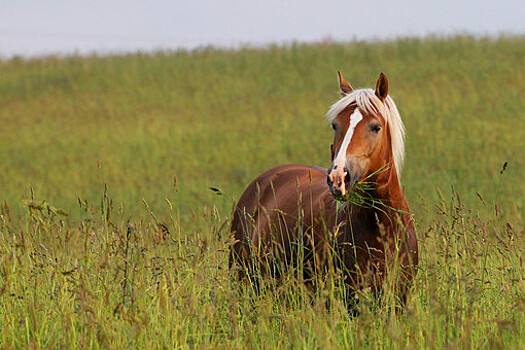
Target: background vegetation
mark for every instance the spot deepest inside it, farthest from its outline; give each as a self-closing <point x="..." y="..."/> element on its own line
<point x="111" y="237"/>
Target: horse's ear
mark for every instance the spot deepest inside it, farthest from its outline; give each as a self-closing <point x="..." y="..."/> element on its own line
<point x="344" y="86"/>
<point x="382" y="87"/>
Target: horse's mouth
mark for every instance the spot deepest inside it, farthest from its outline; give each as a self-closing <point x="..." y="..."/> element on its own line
<point x="344" y="197"/>
<point x="341" y="187"/>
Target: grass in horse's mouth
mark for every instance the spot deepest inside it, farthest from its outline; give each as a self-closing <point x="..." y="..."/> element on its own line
<point x="360" y="193"/>
<point x="360" y="188"/>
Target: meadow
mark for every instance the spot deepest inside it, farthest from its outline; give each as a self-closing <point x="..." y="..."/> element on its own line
<point x="110" y="236"/>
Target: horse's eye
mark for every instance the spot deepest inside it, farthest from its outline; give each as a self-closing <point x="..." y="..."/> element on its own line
<point x="334" y="126"/>
<point x="376" y="127"/>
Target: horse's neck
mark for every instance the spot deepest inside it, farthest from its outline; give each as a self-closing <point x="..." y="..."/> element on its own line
<point x="388" y="188"/>
<point x="389" y="209"/>
<point x="388" y="191"/>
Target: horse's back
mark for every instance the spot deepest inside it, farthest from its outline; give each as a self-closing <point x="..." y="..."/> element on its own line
<point x="279" y="184"/>
<point x="281" y="199"/>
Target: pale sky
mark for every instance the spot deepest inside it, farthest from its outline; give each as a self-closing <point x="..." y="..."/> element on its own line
<point x="41" y="27"/>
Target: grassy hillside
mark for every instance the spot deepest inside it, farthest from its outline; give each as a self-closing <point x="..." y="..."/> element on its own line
<point x="128" y="146"/>
<point x="215" y="118"/>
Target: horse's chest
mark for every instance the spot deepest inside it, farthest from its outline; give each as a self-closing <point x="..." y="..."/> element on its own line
<point x="361" y="240"/>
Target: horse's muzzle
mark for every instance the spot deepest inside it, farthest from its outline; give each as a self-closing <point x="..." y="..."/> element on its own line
<point x="340" y="182"/>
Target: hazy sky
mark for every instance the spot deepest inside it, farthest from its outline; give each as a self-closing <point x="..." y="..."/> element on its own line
<point x="39" y="27"/>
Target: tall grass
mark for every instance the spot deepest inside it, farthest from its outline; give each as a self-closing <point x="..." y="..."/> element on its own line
<point x="111" y="237"/>
<point x="98" y="283"/>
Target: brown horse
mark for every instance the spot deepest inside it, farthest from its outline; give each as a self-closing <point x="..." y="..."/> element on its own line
<point x="354" y="212"/>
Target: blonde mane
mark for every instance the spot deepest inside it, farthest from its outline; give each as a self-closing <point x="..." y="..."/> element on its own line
<point x="367" y="101"/>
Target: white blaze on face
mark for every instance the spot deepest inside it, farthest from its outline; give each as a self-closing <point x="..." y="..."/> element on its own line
<point x="340" y="159"/>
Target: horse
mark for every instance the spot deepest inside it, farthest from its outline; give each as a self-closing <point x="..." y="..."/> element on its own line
<point x="354" y="212"/>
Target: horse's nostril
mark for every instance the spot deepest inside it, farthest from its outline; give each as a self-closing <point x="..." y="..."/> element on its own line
<point x="347" y="178"/>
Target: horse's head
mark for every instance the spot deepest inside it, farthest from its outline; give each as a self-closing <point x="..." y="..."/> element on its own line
<point x="367" y="127"/>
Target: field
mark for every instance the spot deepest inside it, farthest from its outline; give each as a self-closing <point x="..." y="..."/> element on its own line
<point x="110" y="235"/>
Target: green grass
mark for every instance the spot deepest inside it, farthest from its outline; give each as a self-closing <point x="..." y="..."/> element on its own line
<point x="128" y="146"/>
